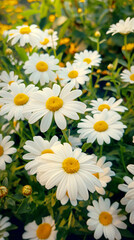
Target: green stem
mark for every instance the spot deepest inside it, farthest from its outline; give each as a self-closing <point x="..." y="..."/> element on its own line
<point x="122" y="158"/>
<point x="53" y="46"/>
<point x="98" y="45"/>
<point x="125" y="41"/>
<point x="101" y="150"/>
<point x="31" y="129"/>
<point x="18" y="168"/>
<point x="65" y="135"/>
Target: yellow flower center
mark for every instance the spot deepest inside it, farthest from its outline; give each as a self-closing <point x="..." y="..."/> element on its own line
<point x="96" y="175"/>
<point x="73" y="74"/>
<point x="25" y="30"/>
<point x="100" y="126"/>
<point x="47" y="151"/>
<point x="54" y="103"/>
<point x="87" y="60"/>
<point x="42" y="66"/>
<point x="10" y="82"/>
<point x="132" y="77"/>
<point x="14" y="123"/>
<point x="103" y="106"/>
<point x="71" y="165"/>
<point x="105" y="218"/>
<point x="43" y="231"/>
<point x="1" y="150"/>
<point x="1" y="106"/>
<point x="45" y="41"/>
<point x="21" y="99"/>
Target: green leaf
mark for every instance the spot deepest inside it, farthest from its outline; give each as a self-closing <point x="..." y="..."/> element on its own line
<point x="44" y="9"/>
<point x="64" y="28"/>
<point x="93" y="39"/>
<point x="58" y="7"/>
<point x="86" y="146"/>
<point x="22" y="54"/>
<point x="24" y="207"/>
<point x="115" y="63"/>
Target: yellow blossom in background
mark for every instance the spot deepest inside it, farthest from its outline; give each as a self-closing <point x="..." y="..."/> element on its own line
<point x="18" y="10"/>
<point x="61" y="64"/>
<point x="108" y="84"/>
<point x="51" y="18"/>
<point x="4" y="27"/>
<point x="96" y="85"/>
<point x="33" y="1"/>
<point x="82" y="1"/>
<point x="19" y="16"/>
<point x="79" y="10"/>
<point x="64" y="41"/>
<point x="29" y="49"/>
<point x="73" y="49"/>
<point x="129" y="47"/>
<point x="98" y="71"/>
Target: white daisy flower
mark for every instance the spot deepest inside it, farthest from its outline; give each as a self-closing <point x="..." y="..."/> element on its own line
<point x="130" y="168"/>
<point x="16" y="100"/>
<point x="36" y="149"/>
<point x="105" y="176"/>
<point x="111" y="105"/>
<point x="71" y="171"/>
<point x="76" y="73"/>
<point x="128" y="76"/>
<point x="48" y="40"/>
<point x="8" y="79"/>
<point x="45" y="230"/>
<point x="74" y="141"/>
<point x="91" y="58"/>
<point x="16" y="126"/>
<point x="3" y="225"/>
<point x="5" y="150"/>
<point x="55" y="102"/>
<point x="41" y="67"/>
<point x="101" y="127"/>
<point x="25" y="34"/>
<point x="122" y="27"/>
<point x="128" y="199"/>
<point x="104" y="218"/>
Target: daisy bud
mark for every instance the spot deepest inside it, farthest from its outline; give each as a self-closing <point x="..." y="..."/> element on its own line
<point x="96" y="85"/>
<point x="110" y="66"/>
<point x="51" y="18"/>
<point x="79" y="10"/>
<point x="98" y="71"/>
<point x="97" y="34"/>
<point x="3" y="191"/>
<point x="108" y="84"/>
<point x="50" y="31"/>
<point x="8" y="51"/>
<point x="27" y="190"/>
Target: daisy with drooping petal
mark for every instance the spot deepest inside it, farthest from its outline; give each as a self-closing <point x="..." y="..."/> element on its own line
<point x="91" y="58"/>
<point x="36" y="149"/>
<point x="128" y="199"/>
<point x="111" y="105"/>
<point x="45" y="230"/>
<point x="41" y="67"/>
<point x="76" y="73"/>
<point x="25" y="34"/>
<point x="8" y="79"/>
<point x="5" y="150"/>
<point x="104" y="176"/>
<point x="122" y="27"/>
<point x="16" y="100"/>
<point x="101" y="127"/>
<point x="3" y="225"/>
<point x="48" y="40"/>
<point x="104" y="218"/>
<point x="74" y="141"/>
<point x="128" y="76"/>
<point x="55" y="102"/>
<point x="71" y="171"/>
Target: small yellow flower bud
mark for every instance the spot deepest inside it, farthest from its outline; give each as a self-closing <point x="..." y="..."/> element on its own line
<point x="50" y="31"/>
<point x="27" y="190"/>
<point x="82" y="1"/>
<point x="96" y="85"/>
<point x="3" y="191"/>
<point x="51" y="18"/>
<point x="8" y="51"/>
<point x="61" y="64"/>
<point x="97" y="34"/>
<point x="79" y="10"/>
<point x="108" y="84"/>
<point x="98" y="71"/>
<point x="110" y="66"/>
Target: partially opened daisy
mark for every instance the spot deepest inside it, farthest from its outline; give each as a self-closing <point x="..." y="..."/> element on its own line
<point x="16" y="100"/>
<point x="128" y="199"/>
<point x="41" y="67"/>
<point x="91" y="58"/>
<point x="104" y="218"/>
<point x="46" y="230"/>
<point x="104" y="176"/>
<point x="36" y="149"/>
<point x="111" y="105"/>
<point x="101" y="127"/>
<point x="4" y="223"/>
<point x="76" y="73"/>
<point x="71" y="171"/>
<point x="48" y="40"/>
<point x="122" y="27"/>
<point x="8" y="79"/>
<point x="128" y="76"/>
<point x="55" y="102"/>
<point x="6" y="149"/>
<point x="25" y="34"/>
